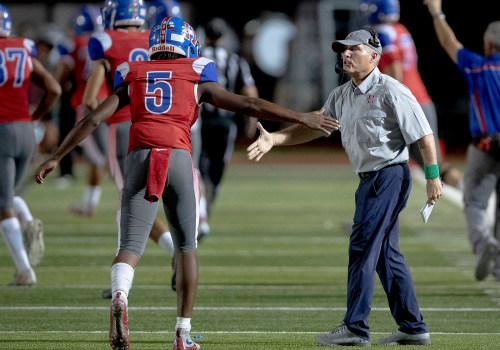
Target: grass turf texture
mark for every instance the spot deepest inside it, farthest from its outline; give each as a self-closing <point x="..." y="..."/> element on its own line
<point x="272" y="271"/>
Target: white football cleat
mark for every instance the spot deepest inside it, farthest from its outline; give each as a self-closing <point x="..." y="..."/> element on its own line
<point x="33" y="237"/>
<point x="24" y="278"/>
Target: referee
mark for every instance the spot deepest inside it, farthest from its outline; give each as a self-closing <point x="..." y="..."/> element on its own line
<point x="219" y="129"/>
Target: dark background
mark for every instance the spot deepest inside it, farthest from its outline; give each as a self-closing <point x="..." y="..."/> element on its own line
<point x="444" y="82"/>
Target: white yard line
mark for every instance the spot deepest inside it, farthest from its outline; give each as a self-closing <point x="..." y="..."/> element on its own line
<point x="237" y="308"/>
<point x="218" y="332"/>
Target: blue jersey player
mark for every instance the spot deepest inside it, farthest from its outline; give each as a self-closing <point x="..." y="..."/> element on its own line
<point x="482" y="172"/>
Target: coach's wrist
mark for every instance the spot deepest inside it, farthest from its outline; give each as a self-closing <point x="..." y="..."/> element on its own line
<point x="431" y="171"/>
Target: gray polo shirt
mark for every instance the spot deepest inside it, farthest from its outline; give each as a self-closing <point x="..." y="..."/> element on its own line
<point x="378" y="119"/>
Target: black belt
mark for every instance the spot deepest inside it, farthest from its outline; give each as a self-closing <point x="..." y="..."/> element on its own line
<point x="365" y="175"/>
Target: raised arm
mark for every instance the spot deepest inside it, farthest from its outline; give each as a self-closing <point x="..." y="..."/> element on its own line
<point x="216" y="95"/>
<point x="84" y="128"/>
<point x="49" y="84"/>
<point x="434" y="187"/>
<point x="445" y="34"/>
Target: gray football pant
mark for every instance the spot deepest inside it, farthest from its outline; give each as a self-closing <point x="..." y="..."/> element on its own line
<point x="17" y="145"/>
<point x="180" y="202"/>
<point x="481" y="179"/>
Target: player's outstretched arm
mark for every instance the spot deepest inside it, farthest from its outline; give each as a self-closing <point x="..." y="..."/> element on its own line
<point x="51" y="87"/>
<point x="84" y="128"/>
<point x="216" y="95"/>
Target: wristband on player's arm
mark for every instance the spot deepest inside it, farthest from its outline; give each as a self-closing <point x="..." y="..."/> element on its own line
<point x="431" y="171"/>
<point x="439" y="15"/>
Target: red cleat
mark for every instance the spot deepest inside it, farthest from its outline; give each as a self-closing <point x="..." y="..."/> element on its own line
<point x="183" y="341"/>
<point x="118" y="328"/>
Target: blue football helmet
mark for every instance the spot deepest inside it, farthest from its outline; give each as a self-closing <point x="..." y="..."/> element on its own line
<point x="377" y="11"/>
<point x="159" y="9"/>
<point x="88" y="20"/>
<point x="5" y="23"/>
<point x="117" y="13"/>
<point x="173" y="34"/>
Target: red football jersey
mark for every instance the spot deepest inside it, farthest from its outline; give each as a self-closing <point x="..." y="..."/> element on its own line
<point x="398" y="45"/>
<point x="118" y="46"/>
<point x="163" y="99"/>
<point x="16" y="67"/>
<point x="82" y="66"/>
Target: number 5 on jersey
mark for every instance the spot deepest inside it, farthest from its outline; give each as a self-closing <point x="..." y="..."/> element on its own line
<point x="158" y="98"/>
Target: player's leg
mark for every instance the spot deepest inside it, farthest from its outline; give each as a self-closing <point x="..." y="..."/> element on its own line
<point x="218" y="138"/>
<point x="32" y="229"/>
<point x="180" y="202"/>
<point x="160" y="234"/>
<point x="20" y="139"/>
<point x="95" y="153"/>
<point x="196" y="146"/>
<point x="117" y="144"/>
<point x="480" y="182"/>
<point x="135" y="224"/>
<point x="10" y="227"/>
<point x="496" y="267"/>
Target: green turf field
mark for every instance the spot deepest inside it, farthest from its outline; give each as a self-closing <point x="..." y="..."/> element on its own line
<point x="272" y="271"/>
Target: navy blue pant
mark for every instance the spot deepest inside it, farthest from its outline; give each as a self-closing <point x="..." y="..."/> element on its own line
<point x="373" y="246"/>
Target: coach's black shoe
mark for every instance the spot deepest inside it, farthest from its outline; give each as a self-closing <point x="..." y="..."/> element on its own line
<point x="341" y="336"/>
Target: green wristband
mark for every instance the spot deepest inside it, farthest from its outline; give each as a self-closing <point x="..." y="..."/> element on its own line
<point x="431" y="171"/>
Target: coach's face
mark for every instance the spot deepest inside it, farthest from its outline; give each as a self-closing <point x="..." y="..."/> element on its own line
<point x="358" y="61"/>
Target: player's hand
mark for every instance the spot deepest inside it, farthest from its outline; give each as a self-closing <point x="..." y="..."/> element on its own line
<point x="44" y="169"/>
<point x="260" y="147"/>
<point x="434" y="190"/>
<point x="316" y="120"/>
<point x="434" y="6"/>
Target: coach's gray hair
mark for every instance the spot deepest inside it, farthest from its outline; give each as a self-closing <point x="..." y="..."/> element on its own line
<point x="492" y="34"/>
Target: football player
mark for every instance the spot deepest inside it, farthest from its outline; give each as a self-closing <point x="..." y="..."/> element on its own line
<point x="121" y="41"/>
<point x="164" y="96"/>
<point x="156" y="12"/>
<point x="18" y="67"/>
<point x="75" y="65"/>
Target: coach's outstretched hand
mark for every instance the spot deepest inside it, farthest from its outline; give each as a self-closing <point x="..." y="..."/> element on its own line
<point x="44" y="169"/>
<point x="260" y="147"/>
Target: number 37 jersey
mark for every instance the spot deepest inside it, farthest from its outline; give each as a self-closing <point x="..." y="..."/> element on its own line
<point x="163" y="99"/>
<point x="15" y="73"/>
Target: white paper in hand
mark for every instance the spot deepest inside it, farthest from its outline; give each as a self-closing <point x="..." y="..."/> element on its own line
<point x="426" y="211"/>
